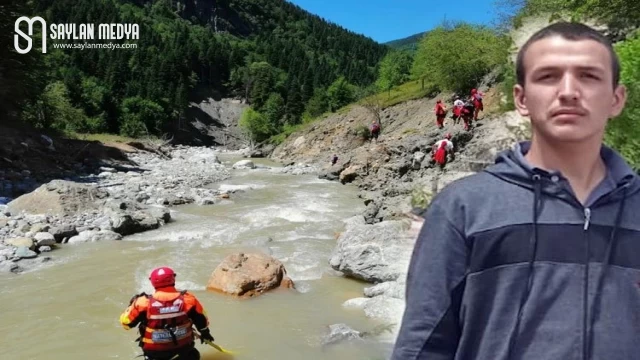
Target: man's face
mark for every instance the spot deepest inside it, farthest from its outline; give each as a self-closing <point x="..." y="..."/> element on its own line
<point x="568" y="92"/>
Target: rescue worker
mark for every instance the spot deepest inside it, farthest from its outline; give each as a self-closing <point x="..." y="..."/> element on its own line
<point x="441" y="113"/>
<point x="441" y="149"/>
<point x="476" y="98"/>
<point x="165" y="319"/>
<point x="458" y="105"/>
<point x="467" y="114"/>
<point x="375" y="130"/>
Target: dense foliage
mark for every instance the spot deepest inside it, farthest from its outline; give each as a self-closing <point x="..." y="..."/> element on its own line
<point x="457" y="57"/>
<point x="272" y="53"/>
<point x="623" y="132"/>
<point x="410" y="43"/>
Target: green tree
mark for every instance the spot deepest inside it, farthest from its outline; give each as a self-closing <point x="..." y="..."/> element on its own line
<point x="141" y="117"/>
<point x="623" y="132"/>
<point x="274" y="110"/>
<point x="318" y="104"/>
<point x="394" y="70"/>
<point x="92" y="95"/>
<point x="256" y="125"/>
<point x="22" y="76"/>
<point x="53" y="110"/>
<point x="340" y="93"/>
<point x="459" y="57"/>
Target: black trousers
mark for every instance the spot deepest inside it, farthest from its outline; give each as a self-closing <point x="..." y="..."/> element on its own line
<point x="190" y="353"/>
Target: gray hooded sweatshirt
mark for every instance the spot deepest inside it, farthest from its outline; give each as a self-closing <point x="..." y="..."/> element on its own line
<point x="510" y="265"/>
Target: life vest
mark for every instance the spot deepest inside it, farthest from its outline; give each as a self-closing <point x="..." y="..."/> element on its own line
<point x="439" y="109"/>
<point x="168" y="326"/>
<point x="375" y="127"/>
<point x="441" y="154"/>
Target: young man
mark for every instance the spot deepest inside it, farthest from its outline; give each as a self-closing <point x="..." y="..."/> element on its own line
<point x="165" y="319"/>
<point x="538" y="256"/>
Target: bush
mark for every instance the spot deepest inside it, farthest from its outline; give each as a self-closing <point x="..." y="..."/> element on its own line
<point x="420" y="198"/>
<point x="340" y="93"/>
<point x="256" y="125"/>
<point x="507" y="84"/>
<point x="363" y="132"/>
<point x="623" y="132"/>
<point x="458" y="58"/>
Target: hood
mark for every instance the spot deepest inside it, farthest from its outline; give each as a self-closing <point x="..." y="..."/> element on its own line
<point x="510" y="165"/>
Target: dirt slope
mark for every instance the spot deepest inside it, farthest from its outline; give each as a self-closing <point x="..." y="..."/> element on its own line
<point x="389" y="170"/>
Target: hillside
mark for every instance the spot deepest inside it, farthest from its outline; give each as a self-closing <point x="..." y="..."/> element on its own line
<point x="246" y="49"/>
<point x="389" y="172"/>
<point x="408" y="43"/>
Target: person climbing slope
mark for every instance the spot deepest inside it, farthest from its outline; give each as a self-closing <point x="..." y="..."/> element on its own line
<point x="476" y="99"/>
<point x="441" y="149"/>
<point x="441" y="112"/>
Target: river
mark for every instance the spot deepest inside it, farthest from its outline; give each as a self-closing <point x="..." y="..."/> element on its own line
<point x="69" y="308"/>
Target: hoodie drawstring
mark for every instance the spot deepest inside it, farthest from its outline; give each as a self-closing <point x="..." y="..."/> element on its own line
<point x="605" y="266"/>
<point x="533" y="246"/>
<point x="537" y="201"/>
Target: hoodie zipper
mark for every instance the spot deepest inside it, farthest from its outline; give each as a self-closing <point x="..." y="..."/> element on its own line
<point x="585" y="298"/>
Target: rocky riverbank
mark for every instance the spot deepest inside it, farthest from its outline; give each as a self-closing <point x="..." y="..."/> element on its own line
<point x="113" y="203"/>
<point x="396" y="177"/>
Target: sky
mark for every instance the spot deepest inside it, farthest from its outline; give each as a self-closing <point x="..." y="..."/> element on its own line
<point x="386" y="20"/>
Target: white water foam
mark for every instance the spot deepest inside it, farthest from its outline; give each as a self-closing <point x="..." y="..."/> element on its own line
<point x="244" y="187"/>
<point x="190" y="285"/>
<point x="302" y="287"/>
<point x="270" y="215"/>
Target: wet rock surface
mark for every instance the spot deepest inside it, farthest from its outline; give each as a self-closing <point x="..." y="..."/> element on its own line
<point x="108" y="205"/>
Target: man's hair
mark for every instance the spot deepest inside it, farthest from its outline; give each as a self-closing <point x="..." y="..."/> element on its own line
<point x="569" y="31"/>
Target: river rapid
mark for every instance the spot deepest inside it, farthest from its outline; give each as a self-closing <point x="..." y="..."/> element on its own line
<point x="68" y="308"/>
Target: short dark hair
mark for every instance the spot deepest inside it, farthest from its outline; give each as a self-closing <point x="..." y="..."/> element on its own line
<point x="570" y="31"/>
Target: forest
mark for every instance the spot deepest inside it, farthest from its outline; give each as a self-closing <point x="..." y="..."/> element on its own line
<point x="290" y="66"/>
<point x="267" y="52"/>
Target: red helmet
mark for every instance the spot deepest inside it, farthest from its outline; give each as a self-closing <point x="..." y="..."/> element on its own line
<point x="448" y="136"/>
<point x="473" y="91"/>
<point x="162" y="277"/>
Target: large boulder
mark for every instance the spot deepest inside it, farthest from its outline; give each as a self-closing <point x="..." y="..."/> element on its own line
<point x="95" y="235"/>
<point x="138" y="221"/>
<point x="244" y="164"/>
<point x="60" y="197"/>
<point x="21" y="242"/>
<point x="374" y="253"/>
<point x="248" y="275"/>
<point x="349" y="174"/>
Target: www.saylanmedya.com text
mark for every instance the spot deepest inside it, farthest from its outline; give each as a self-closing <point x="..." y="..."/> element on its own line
<point x="110" y="46"/>
<point x="64" y="33"/>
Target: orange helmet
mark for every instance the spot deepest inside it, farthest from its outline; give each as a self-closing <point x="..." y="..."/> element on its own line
<point x="162" y="277"/>
<point x="448" y="136"/>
